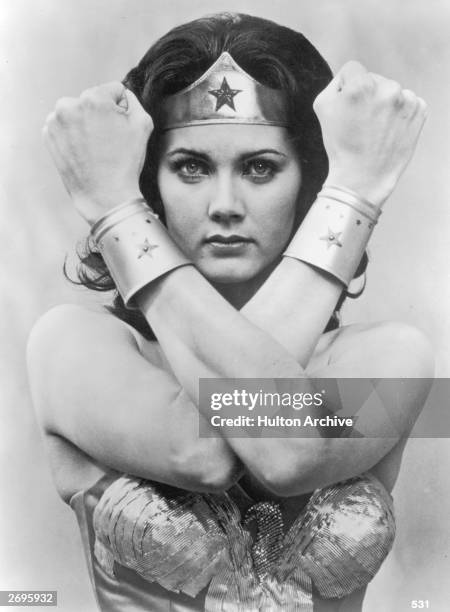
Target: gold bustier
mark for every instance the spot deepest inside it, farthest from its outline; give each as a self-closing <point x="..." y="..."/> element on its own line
<point x="188" y="541"/>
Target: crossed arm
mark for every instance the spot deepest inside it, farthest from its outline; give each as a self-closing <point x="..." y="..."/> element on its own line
<point x="93" y="387"/>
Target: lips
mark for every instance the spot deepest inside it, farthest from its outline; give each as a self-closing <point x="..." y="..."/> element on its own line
<point x="231" y="245"/>
<point x="231" y="239"/>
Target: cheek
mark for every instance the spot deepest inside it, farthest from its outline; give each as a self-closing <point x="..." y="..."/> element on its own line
<point x="280" y="214"/>
<point x="178" y="208"/>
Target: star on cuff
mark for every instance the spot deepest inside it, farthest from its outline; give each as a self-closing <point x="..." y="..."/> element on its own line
<point x="146" y="248"/>
<point x="332" y="238"/>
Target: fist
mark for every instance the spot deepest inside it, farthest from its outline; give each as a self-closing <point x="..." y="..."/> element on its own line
<point x="370" y="127"/>
<point x="98" y="143"/>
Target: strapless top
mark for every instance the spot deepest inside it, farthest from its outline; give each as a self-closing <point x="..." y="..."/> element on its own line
<point x="203" y="553"/>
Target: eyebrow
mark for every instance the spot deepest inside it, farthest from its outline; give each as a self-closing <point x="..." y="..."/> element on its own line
<point x="206" y="156"/>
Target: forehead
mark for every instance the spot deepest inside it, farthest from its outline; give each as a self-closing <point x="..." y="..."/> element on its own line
<point x="228" y="138"/>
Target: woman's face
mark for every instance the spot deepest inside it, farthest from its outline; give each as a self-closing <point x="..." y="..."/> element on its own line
<point x="229" y="193"/>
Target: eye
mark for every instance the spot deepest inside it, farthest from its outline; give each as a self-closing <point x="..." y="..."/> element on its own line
<point x="259" y="170"/>
<point x="190" y="169"/>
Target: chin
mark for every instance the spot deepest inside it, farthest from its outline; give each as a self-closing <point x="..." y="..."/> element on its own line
<point x="229" y="272"/>
<point x="234" y="272"/>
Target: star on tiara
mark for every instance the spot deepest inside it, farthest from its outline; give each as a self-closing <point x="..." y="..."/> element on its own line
<point x="225" y="93"/>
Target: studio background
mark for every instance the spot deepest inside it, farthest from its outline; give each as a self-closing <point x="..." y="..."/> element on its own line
<point x="55" y="48"/>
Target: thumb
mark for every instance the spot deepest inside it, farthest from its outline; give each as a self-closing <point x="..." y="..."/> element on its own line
<point x="134" y="108"/>
<point x="349" y="71"/>
<point x="130" y="103"/>
<point x="114" y="91"/>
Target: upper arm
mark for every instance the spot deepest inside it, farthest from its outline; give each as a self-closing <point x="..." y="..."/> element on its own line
<point x="384" y="352"/>
<point x="91" y="385"/>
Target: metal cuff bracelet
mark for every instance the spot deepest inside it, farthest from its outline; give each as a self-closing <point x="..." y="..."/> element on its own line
<point x="136" y="247"/>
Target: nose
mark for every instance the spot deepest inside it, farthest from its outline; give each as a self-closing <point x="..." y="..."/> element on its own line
<point x="225" y="204"/>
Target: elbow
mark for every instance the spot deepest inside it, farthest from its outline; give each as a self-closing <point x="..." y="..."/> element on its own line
<point x="295" y="470"/>
<point x="210" y="467"/>
<point x="220" y="478"/>
<point x="406" y="351"/>
<point x="415" y="345"/>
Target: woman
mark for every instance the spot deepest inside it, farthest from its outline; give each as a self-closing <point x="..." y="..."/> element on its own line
<point x="243" y="283"/>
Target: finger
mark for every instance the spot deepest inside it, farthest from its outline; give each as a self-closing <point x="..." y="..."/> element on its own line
<point x="391" y="92"/>
<point x="410" y="103"/>
<point x="133" y="104"/>
<point x="348" y="72"/>
<point x="48" y="123"/>
<point x="384" y="82"/>
<point x="65" y="110"/>
<point x="423" y="106"/>
<point x="135" y="109"/>
<point x="114" y="91"/>
<point x="123" y="102"/>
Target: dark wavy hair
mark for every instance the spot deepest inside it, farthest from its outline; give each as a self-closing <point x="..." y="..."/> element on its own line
<point x="274" y="55"/>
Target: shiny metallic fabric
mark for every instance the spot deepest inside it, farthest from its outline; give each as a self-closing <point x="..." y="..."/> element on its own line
<point x="186" y="541"/>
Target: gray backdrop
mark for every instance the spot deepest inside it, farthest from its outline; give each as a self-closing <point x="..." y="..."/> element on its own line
<point x="51" y="48"/>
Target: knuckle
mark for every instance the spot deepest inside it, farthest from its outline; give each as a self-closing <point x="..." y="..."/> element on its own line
<point x="422" y="105"/>
<point x="64" y="109"/>
<point x="92" y="98"/>
<point x="353" y="66"/>
<point x="359" y="86"/>
<point x="49" y="129"/>
<point x="110" y="89"/>
<point x="367" y="83"/>
<point x="411" y="103"/>
<point x="46" y="131"/>
<point x="88" y="94"/>
<point x="394" y="86"/>
<point x="409" y="99"/>
<point x="49" y="120"/>
<point x="423" y="109"/>
<point x="392" y="92"/>
<point x="353" y="91"/>
<point x="408" y="94"/>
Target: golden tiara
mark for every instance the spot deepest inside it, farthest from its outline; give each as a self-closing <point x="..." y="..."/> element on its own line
<point x="225" y="93"/>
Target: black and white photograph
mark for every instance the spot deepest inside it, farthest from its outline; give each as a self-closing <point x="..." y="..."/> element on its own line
<point x="225" y="305"/>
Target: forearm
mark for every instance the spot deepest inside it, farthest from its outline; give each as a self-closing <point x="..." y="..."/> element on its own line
<point x="272" y="336"/>
<point x="193" y="322"/>
<point x="294" y="306"/>
<point x="202" y="336"/>
<point x="199" y="332"/>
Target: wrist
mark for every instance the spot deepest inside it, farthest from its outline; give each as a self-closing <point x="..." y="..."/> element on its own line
<point x="375" y="192"/>
<point x="94" y="207"/>
<point x="335" y="232"/>
<point x="136" y="247"/>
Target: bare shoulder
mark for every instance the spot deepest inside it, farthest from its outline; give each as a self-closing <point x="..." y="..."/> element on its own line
<point x="80" y="337"/>
<point x="74" y="335"/>
<point x="384" y="349"/>
<point x="72" y="325"/>
<point x="71" y="319"/>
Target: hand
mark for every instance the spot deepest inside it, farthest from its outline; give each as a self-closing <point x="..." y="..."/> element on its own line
<point x="98" y="143"/>
<point x="370" y="127"/>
